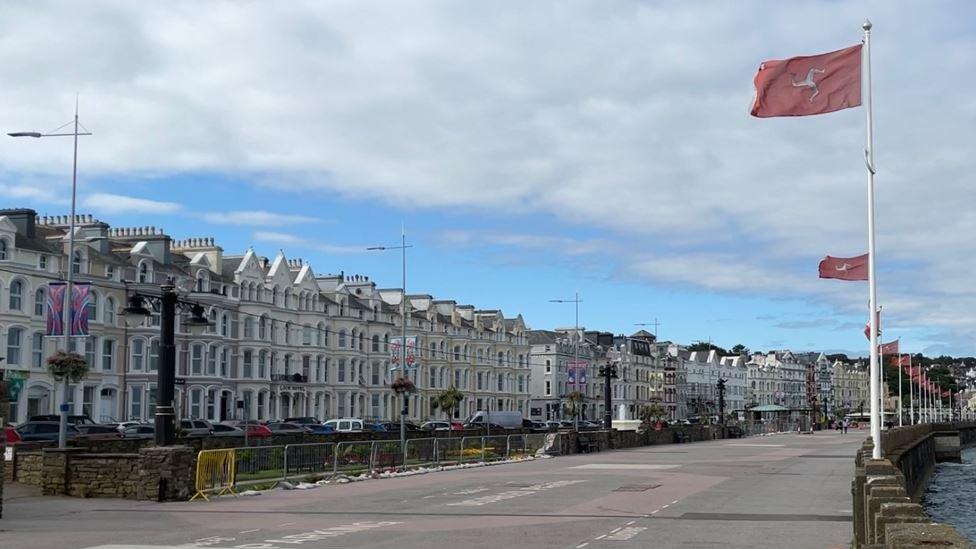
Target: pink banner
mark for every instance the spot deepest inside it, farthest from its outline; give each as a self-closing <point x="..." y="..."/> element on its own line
<point x="81" y="296"/>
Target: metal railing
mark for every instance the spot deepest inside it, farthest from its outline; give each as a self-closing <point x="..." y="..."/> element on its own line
<point x="222" y="471"/>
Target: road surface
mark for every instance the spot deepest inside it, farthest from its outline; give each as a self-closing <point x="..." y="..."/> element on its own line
<point x="776" y="491"/>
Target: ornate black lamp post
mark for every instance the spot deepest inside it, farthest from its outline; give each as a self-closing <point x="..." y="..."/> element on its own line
<point x="135" y="314"/>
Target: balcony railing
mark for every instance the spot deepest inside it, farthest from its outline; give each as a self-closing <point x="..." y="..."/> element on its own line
<point x="289" y="378"/>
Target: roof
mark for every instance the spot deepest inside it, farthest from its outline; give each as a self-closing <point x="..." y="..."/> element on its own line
<point x="24" y="243"/>
<point x="541" y="337"/>
<point x="769" y="408"/>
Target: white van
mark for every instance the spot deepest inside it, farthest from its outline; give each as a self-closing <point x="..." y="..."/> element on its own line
<point x="346" y="425"/>
<point x="508" y="420"/>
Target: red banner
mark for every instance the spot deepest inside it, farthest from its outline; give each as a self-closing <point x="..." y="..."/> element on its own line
<point x="816" y="84"/>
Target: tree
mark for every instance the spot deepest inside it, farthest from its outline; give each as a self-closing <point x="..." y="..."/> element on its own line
<point x="652" y="412"/>
<point x="449" y="400"/>
<point x="740" y="349"/>
<point x="705" y="346"/>
<point x="572" y="407"/>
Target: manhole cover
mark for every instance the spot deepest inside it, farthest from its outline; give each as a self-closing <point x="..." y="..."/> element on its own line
<point x="636" y="487"/>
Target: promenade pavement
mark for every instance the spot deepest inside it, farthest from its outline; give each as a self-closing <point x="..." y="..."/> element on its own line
<point x="782" y="491"/>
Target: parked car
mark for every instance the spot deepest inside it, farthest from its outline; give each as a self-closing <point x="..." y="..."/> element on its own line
<point x="286" y="428"/>
<point x="10" y="434"/>
<point x="255" y="430"/>
<point x="98" y="432"/>
<point x="223" y="430"/>
<point x="346" y="425"/>
<point x="508" y="420"/>
<point x="72" y="419"/>
<point x="439" y="426"/>
<point x="302" y="420"/>
<point x="394" y="426"/>
<point x="121" y="426"/>
<point x="44" y="430"/>
<point x="141" y="431"/>
<point x="322" y="430"/>
<point x="554" y="424"/>
<point x="585" y="423"/>
<point x="374" y="428"/>
<point x="195" y="427"/>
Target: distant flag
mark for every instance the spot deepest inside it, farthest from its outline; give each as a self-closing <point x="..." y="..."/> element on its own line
<point x="888" y="349"/>
<point x="845" y="268"/>
<point x="801" y="86"/>
<point x="905" y="360"/>
<point x="867" y="326"/>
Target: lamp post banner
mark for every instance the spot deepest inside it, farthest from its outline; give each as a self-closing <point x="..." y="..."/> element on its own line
<point x="576" y="372"/>
<point x="411" y="355"/>
<point x="80" y="300"/>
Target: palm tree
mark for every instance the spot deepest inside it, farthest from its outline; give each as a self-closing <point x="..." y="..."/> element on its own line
<point x="449" y="400"/>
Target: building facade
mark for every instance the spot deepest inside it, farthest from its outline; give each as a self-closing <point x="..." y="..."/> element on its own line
<point x="283" y="340"/>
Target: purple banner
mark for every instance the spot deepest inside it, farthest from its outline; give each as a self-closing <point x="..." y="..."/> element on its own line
<point x="576" y="373"/>
<point x="81" y="296"/>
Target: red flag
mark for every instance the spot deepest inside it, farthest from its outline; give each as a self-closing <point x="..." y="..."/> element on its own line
<point x="867" y="326"/>
<point x="906" y="362"/>
<point x="890" y="348"/>
<point x="816" y="84"/>
<point x="845" y="268"/>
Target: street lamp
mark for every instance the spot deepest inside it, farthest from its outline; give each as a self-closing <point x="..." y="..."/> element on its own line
<point x="576" y="374"/>
<point x="69" y="271"/>
<point x="135" y="314"/>
<point x="403" y="335"/>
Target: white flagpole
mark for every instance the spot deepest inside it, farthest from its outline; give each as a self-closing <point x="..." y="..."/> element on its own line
<point x="900" y="409"/>
<point x="872" y="297"/>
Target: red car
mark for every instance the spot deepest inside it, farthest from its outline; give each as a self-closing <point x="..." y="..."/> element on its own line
<point x="11" y="434"/>
<point x="258" y="431"/>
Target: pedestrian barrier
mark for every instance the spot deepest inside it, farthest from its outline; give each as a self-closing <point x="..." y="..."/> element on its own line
<point x="221" y="471"/>
<point x="353" y="458"/>
<point x="215" y="473"/>
<point x="309" y="459"/>
<point x="421" y="452"/>
<point x="259" y="464"/>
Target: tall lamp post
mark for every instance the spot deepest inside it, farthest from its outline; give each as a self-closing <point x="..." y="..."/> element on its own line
<point x="576" y="373"/>
<point x="135" y="314"/>
<point x="403" y="334"/>
<point x="69" y="271"/>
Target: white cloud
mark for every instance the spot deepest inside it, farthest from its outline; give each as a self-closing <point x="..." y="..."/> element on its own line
<point x="285" y="239"/>
<point x="256" y="218"/>
<point x="625" y="116"/>
<point x="116" y="203"/>
<point x="42" y="194"/>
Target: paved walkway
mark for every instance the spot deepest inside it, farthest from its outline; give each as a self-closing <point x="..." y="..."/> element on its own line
<point x="777" y="491"/>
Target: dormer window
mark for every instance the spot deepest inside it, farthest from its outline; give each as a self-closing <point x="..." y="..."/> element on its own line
<point x="144" y="273"/>
<point x="42" y="262"/>
<point x="109" y="271"/>
<point x="76" y="262"/>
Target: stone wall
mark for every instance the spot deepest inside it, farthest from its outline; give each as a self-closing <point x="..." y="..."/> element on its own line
<point x="886" y="491"/>
<point x="28" y="467"/>
<point x="104" y="476"/>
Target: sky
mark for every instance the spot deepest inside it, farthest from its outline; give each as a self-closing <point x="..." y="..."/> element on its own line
<point x="530" y="150"/>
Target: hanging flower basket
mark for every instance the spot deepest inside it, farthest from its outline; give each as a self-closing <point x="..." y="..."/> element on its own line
<point x="403" y="385"/>
<point x="64" y="365"/>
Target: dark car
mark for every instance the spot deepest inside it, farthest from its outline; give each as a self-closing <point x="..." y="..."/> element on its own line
<point x="394" y="426"/>
<point x="321" y="430"/>
<point x="44" y="430"/>
<point x="285" y="428"/>
<point x="375" y="428"/>
<point x="142" y="431"/>
<point x="98" y="432"/>
<point x="222" y="430"/>
<point x="302" y="420"/>
<point x="534" y="425"/>
<point x="72" y="419"/>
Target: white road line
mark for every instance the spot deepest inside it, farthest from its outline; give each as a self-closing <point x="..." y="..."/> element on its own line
<point x="615" y="530"/>
<point x="249" y="531"/>
<point x="600" y="537"/>
<point x="673" y="502"/>
<point x="582" y="545"/>
<point x="631" y="522"/>
<point x="665" y="506"/>
<point x="655" y="511"/>
<point x="287" y="523"/>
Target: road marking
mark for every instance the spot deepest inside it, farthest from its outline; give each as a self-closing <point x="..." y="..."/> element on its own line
<point x="287" y="523"/>
<point x="757" y="445"/>
<point x="626" y="534"/>
<point x="582" y="545"/>
<point x="614" y="531"/>
<point x="665" y="506"/>
<point x="624" y="466"/>
<point x="325" y="533"/>
<point x="631" y="522"/>
<point x="512" y="494"/>
<point x="673" y="502"/>
<point x="249" y="531"/>
<point x="600" y="537"/>
<point x="655" y="511"/>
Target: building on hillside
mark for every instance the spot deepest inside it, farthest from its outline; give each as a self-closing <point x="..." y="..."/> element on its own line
<point x="851" y="385"/>
<point x="284" y="341"/>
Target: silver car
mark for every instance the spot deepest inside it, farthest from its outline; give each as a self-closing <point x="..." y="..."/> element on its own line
<point x="195" y="427"/>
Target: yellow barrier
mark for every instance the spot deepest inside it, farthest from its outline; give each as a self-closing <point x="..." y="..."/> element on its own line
<point x="215" y="473"/>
